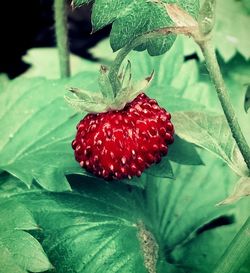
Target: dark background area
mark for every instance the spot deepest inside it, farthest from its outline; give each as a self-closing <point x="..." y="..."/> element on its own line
<point x="30" y="23"/>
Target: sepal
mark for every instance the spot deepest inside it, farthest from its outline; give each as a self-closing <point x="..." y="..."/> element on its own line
<point x="126" y="76"/>
<point x="86" y="101"/>
<point x="82" y="94"/>
<point x="86" y="106"/>
<point x="105" y="85"/>
<point x="129" y="93"/>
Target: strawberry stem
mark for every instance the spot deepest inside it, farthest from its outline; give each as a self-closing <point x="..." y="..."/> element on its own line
<point x="122" y="54"/>
<point x="237" y="252"/>
<point x="115" y="67"/>
<point x="60" y="15"/>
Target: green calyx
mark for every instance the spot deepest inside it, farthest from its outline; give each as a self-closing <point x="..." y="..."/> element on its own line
<point x="108" y="99"/>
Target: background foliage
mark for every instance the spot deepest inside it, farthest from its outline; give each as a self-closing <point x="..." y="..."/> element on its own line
<point x="72" y="222"/>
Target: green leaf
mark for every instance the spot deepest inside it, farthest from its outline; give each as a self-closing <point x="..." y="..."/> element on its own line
<point x="44" y="63"/>
<point x="207" y="248"/>
<point x="95" y="228"/>
<point x="103" y="52"/>
<point x="183" y="152"/>
<point x="165" y="67"/>
<point x="138" y="182"/>
<point x="132" y="18"/>
<point x="20" y="252"/>
<point x="212" y="133"/>
<point x="162" y="169"/>
<point x="84" y="230"/>
<point x="184" y="211"/>
<point x="38" y="130"/>
<point x="21" y="219"/>
<point x="232" y="35"/>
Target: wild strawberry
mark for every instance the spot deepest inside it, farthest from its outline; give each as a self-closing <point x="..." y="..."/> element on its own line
<point x="125" y="131"/>
<point x="122" y="143"/>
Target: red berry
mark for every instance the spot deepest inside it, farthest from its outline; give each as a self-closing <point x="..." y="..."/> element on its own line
<point x="121" y="144"/>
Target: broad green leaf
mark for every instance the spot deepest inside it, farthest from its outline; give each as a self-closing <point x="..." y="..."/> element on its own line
<point x="212" y="133"/>
<point x="44" y="63"/>
<point x="138" y="182"/>
<point x="212" y="241"/>
<point x="95" y="228"/>
<point x="20" y="252"/>
<point x="183" y="212"/>
<point x="187" y="75"/>
<point x="132" y="18"/>
<point x="202" y="253"/>
<point x="21" y="219"/>
<point x="190" y="86"/>
<point x="38" y="129"/>
<point x="162" y="169"/>
<point x="166" y="67"/>
<point x="183" y="152"/>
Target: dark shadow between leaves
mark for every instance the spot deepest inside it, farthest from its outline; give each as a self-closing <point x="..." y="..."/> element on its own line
<point x="223" y="220"/>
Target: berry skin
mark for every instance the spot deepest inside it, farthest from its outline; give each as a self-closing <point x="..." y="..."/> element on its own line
<point x="122" y="144"/>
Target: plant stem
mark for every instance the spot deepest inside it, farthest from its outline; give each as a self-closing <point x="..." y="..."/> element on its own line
<point x="216" y="77"/>
<point x="62" y="37"/>
<point x="114" y="69"/>
<point x="237" y="252"/>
